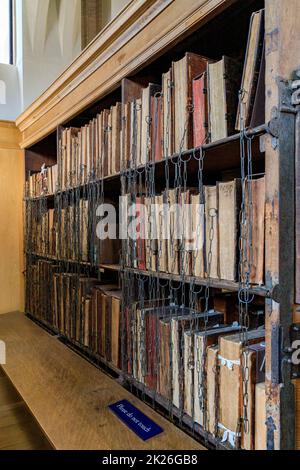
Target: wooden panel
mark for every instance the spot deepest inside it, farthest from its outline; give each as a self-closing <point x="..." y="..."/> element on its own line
<point x="69" y="397"/>
<point x="18" y="430"/>
<point x="11" y="216"/>
<point x="282" y="58"/>
<point x="142" y="31"/>
<point x="297" y="391"/>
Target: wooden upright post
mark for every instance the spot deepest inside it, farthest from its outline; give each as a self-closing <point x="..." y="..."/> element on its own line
<point x="282" y="46"/>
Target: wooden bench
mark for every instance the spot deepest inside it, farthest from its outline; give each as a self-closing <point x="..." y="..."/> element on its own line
<point x="69" y="397"/>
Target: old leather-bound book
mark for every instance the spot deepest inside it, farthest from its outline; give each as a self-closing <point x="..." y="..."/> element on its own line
<point x="211" y="232"/>
<point x="109" y="144"/>
<point x="160" y="213"/>
<point x="172" y="199"/>
<point x="200" y="114"/>
<point x="116" y="297"/>
<point x="146" y="121"/>
<point x="168" y="113"/>
<point x="255" y="361"/>
<point x="116" y="141"/>
<point x="212" y="387"/>
<point x="165" y="358"/>
<point x="157" y="127"/>
<point x="223" y="86"/>
<point x="252" y="67"/>
<point x="135" y="132"/>
<point x="151" y="242"/>
<point x="105" y="142"/>
<point x="185" y="320"/>
<point x="184" y="71"/>
<point x="202" y="340"/>
<point x="185" y="223"/>
<point x="256" y="213"/>
<point x="140" y="242"/>
<point x="231" y="385"/>
<point x="229" y="205"/>
<point x="86" y="322"/>
<point x="198" y="231"/>
<point x="260" y="431"/>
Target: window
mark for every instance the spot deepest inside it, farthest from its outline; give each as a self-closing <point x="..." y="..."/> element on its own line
<point x="6" y="31"/>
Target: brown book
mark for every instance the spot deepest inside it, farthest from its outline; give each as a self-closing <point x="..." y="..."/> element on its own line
<point x="84" y="150"/>
<point x="86" y="322"/>
<point x="256" y="214"/>
<point x="164" y="387"/>
<point x="202" y="340"/>
<point x="172" y="199"/>
<point x="252" y="67"/>
<point x="63" y="180"/>
<point x="168" y="113"/>
<point x="160" y="213"/>
<point x="255" y="361"/>
<point x="223" y="86"/>
<point x="260" y="417"/>
<point x="126" y="136"/>
<point x="105" y="143"/>
<point x="116" y="135"/>
<point x="212" y="388"/>
<point x="186" y="319"/>
<point x="115" y="327"/>
<point x="198" y="231"/>
<point x="135" y="133"/>
<point x="146" y="122"/>
<point x="200" y="114"/>
<point x="211" y="232"/>
<point x="109" y="145"/>
<point x="184" y="71"/>
<point x="157" y="128"/>
<point x="231" y="385"/>
<point x="229" y="205"/>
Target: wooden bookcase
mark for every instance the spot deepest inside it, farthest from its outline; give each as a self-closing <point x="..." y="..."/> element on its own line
<point x="142" y="51"/>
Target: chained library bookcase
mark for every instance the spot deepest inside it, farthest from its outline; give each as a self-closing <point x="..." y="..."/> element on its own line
<point x="196" y="334"/>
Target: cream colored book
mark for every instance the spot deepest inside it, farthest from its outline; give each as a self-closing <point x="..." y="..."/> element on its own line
<point x="229" y="205"/>
<point x="211" y="232"/>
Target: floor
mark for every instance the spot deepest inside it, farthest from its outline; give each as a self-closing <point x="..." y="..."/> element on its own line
<point x="18" y="430"/>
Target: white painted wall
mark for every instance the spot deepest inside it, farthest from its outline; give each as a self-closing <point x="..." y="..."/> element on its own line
<point x="10" y="104"/>
<point x="48" y="40"/>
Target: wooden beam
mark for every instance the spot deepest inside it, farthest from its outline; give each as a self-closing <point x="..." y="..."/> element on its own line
<point x="134" y="38"/>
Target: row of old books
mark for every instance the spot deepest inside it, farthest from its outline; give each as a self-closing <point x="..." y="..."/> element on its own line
<point x="89" y="314"/>
<point x="197" y="102"/>
<point x="69" y="234"/>
<point x="196" y="363"/>
<point x="42" y="183"/>
<point x="92" y="151"/>
<point x="78" y="307"/>
<point x="199" y="237"/>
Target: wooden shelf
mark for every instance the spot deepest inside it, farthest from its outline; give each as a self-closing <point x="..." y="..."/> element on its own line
<point x="102" y="267"/>
<point x="59" y="260"/>
<point x="233" y="286"/>
<point x="182" y="420"/>
<point x="261" y="291"/>
<point x="113" y="183"/>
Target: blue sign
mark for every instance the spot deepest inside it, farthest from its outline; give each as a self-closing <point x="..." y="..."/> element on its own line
<point x="139" y="423"/>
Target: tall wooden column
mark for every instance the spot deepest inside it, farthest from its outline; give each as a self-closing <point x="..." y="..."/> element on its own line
<point x="282" y="58"/>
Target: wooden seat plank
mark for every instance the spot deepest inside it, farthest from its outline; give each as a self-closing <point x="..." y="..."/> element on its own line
<point x="69" y="397"/>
